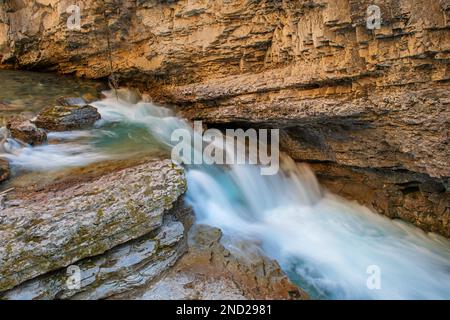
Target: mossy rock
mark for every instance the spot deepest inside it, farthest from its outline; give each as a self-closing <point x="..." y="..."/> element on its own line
<point x="26" y="131"/>
<point x="69" y="117"/>
<point x="52" y="229"/>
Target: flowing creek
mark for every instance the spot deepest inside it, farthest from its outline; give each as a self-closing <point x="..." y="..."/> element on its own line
<point x="324" y="243"/>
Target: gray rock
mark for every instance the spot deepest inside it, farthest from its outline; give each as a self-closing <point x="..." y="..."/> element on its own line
<point x="68" y="117"/>
<point x="26" y="131"/>
<point x="71" y="101"/>
<point x="217" y="267"/>
<point x="49" y="230"/>
<point x="120" y="269"/>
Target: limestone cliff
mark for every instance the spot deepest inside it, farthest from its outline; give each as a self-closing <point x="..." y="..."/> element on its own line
<point x="370" y="108"/>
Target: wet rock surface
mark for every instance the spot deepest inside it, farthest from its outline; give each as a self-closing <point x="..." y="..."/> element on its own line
<point x="216" y="268"/>
<point x="71" y="101"/>
<point x="123" y="268"/>
<point x="67" y="117"/>
<point x="26" y="131"/>
<point x="44" y="231"/>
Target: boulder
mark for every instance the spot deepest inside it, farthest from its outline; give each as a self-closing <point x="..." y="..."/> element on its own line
<point x="120" y="269"/>
<point x="71" y="101"/>
<point x="218" y="267"/>
<point x="70" y="113"/>
<point x="50" y="230"/>
<point x="26" y="131"/>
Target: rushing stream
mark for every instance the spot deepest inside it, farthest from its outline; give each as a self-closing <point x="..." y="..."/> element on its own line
<point x="324" y="243"/>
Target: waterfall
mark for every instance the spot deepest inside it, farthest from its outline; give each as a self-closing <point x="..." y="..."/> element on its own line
<point x="327" y="245"/>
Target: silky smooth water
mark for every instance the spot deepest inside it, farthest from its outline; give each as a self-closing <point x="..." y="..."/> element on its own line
<point x="325" y="243"/>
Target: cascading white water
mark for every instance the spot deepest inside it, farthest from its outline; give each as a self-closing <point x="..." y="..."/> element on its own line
<point x="324" y="243"/>
<point x="49" y="156"/>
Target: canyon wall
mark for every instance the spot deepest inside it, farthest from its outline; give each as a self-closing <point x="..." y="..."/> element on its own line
<point x="368" y="108"/>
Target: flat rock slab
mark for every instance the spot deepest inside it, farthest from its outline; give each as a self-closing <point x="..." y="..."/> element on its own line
<point x="50" y="230"/>
<point x="123" y="268"/>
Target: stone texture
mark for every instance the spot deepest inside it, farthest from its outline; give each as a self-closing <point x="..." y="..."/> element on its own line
<point x="26" y="131"/>
<point x="216" y="268"/>
<point x="407" y="130"/>
<point x="412" y="197"/>
<point x="47" y="230"/>
<point x="68" y="117"/>
<point x="186" y="42"/>
<point x="123" y="268"/>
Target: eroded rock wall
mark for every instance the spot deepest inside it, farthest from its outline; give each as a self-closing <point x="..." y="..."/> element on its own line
<point x="322" y="39"/>
<point x="373" y="102"/>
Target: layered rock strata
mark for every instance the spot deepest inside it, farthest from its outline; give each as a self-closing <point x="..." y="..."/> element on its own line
<point x="46" y="231"/>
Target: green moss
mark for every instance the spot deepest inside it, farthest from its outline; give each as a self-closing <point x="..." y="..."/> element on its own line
<point x="138" y="215"/>
<point x="100" y="214"/>
<point x="148" y="191"/>
<point x="8" y="249"/>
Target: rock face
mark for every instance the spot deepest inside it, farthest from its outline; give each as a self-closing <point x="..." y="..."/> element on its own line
<point x="123" y="268"/>
<point x="374" y="102"/>
<point x="68" y="117"/>
<point x="45" y="231"/>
